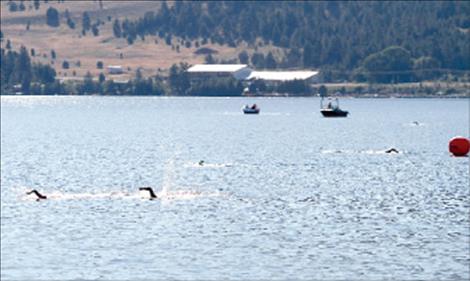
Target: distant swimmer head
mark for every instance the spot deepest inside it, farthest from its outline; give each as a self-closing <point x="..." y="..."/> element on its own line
<point x="392" y="150"/>
<point x="201" y="162"/>
<point x="150" y="190"/>
<point x="38" y="195"/>
<point x="416" y="123"/>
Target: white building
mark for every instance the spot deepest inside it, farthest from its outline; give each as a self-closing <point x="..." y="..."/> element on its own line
<point x="115" y="69"/>
<point x="284" y="76"/>
<point x="244" y="73"/>
<point x="205" y="71"/>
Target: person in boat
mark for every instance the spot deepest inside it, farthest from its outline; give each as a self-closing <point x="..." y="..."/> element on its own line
<point x="329" y="106"/>
<point x="150" y="190"/>
<point x="392" y="150"/>
<point x="254" y="106"/>
<point x="38" y="195"/>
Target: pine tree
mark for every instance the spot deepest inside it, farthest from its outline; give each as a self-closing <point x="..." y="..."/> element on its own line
<point x="23" y="70"/>
<point x="95" y="30"/>
<point x="117" y="28"/>
<point x="270" y="62"/>
<point x="243" y="57"/>
<point x="101" y="77"/>
<point x="86" y="21"/>
<point x="88" y="85"/>
<point x="21" y="7"/>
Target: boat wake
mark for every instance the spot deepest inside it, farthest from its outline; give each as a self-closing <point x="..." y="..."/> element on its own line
<point x="162" y="195"/>
<point x="370" y="151"/>
<point x="207" y="165"/>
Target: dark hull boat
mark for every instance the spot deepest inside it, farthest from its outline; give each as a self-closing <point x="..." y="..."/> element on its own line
<point x="332" y="109"/>
<point x="254" y="109"/>
<point x="251" y="110"/>
<point x="328" y="112"/>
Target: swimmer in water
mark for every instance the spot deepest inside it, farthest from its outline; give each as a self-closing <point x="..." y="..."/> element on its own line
<point x="391" y="150"/>
<point x="39" y="195"/>
<point x="201" y="162"/>
<point x="150" y="190"/>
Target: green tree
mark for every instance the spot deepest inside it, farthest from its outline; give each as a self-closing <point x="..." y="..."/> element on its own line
<point x="270" y="62"/>
<point x="426" y="68"/>
<point x="70" y="22"/>
<point x="243" y="57"/>
<point x="23" y="72"/>
<point x="12" y="6"/>
<point x="117" y="29"/>
<point x="44" y="74"/>
<point x="88" y="86"/>
<point x="392" y="64"/>
<point x="52" y="17"/>
<point x="101" y="78"/>
<point x="257" y="59"/>
<point x="21" y="7"/>
<point x="179" y="79"/>
<point x="86" y="21"/>
<point x="95" y="30"/>
<point x="110" y="88"/>
<point x="36" y="4"/>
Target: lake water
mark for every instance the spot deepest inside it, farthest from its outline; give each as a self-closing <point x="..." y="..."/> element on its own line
<point x="285" y="194"/>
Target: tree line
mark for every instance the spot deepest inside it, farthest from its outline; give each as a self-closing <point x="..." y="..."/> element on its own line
<point x="18" y="74"/>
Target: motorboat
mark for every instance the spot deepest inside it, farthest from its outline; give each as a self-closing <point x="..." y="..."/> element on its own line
<point x="332" y="109"/>
<point x="254" y="109"/>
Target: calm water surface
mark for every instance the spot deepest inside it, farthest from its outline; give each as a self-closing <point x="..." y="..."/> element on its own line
<point x="286" y="194"/>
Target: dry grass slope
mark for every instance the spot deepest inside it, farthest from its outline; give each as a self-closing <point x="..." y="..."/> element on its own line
<point x="149" y="55"/>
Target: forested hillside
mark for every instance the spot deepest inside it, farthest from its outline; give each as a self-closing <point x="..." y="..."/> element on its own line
<point x="335" y="34"/>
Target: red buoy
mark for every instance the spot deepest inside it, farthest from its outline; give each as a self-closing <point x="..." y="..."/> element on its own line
<point x="459" y="146"/>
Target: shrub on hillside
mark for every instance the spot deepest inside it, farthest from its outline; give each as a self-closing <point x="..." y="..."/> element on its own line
<point x="52" y="17"/>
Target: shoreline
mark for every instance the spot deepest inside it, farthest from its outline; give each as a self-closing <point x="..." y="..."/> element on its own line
<point x="346" y="96"/>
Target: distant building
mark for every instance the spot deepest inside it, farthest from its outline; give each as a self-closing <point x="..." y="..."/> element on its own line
<point x="115" y="69"/>
<point x="243" y="73"/>
<point x="206" y="71"/>
<point x="275" y="77"/>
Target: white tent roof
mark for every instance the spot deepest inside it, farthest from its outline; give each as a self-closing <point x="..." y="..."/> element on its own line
<point x="216" y="67"/>
<point x="281" y="75"/>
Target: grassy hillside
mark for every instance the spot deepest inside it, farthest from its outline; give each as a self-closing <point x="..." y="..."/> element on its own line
<point x="69" y="44"/>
